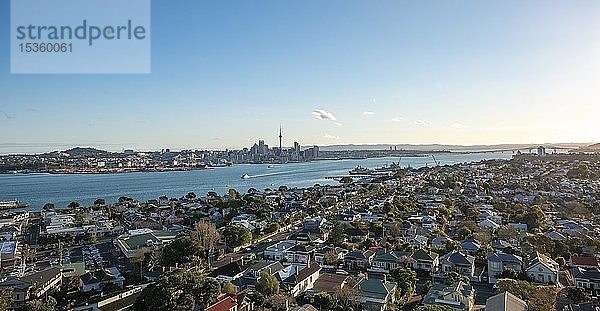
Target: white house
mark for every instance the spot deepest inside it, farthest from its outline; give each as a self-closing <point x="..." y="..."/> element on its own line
<point x="542" y="269"/>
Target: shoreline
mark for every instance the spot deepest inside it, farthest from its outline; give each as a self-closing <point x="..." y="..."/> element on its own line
<point x="161" y="170"/>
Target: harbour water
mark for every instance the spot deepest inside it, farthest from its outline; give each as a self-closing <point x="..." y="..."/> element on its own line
<point x="61" y="189"/>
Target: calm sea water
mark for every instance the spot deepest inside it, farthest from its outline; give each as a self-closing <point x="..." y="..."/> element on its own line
<point x="38" y="189"/>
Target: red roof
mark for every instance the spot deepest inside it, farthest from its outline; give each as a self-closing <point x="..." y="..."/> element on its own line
<point x="584" y="261"/>
<point x="224" y="303"/>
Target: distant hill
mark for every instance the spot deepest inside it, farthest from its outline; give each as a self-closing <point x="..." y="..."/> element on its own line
<point x="86" y="152"/>
<point x="594" y="146"/>
<point x="455" y="148"/>
<point x="589" y="148"/>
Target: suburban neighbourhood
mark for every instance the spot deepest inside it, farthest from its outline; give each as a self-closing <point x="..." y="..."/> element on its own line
<point x="519" y="234"/>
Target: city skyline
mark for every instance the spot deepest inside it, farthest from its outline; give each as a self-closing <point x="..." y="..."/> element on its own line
<point x="462" y="73"/>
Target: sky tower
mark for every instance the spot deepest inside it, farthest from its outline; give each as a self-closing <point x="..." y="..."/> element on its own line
<point x="280" y="137"/>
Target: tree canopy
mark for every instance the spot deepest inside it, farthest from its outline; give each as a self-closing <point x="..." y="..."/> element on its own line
<point x="179" y="290"/>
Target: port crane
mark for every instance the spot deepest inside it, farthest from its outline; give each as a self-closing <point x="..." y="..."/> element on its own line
<point x="437" y="163"/>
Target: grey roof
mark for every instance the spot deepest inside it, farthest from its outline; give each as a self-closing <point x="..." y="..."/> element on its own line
<point x="421" y="254"/>
<point x="588" y="274"/>
<point x="98" y="276"/>
<point x="458" y="258"/>
<point x="505" y="302"/>
<point x="470" y="245"/>
<point x="504" y="257"/>
<point x="231" y="269"/>
<point x="375" y="288"/>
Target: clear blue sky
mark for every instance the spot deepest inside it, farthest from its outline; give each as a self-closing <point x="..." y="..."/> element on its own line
<point x="226" y="73"/>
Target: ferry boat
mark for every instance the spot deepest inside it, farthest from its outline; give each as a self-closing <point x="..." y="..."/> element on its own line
<point x="245" y="176"/>
<point x="359" y="170"/>
<point x="12" y="204"/>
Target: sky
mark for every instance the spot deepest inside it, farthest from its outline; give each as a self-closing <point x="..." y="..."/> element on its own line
<point x="227" y="73"/>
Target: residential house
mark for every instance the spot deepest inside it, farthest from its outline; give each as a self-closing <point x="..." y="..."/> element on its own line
<point x="505" y="302"/>
<point x="232" y="302"/>
<point x="541" y="268"/>
<point x="277" y="250"/>
<point x="589" y="279"/>
<point x="586" y="262"/>
<point x="386" y="262"/>
<point x="458" y="296"/>
<point x="424" y="260"/>
<point x="299" y="253"/>
<point x="499" y="262"/>
<point x="46" y="281"/>
<point x="376" y="294"/>
<point x="419" y="241"/>
<point x="357" y="234"/>
<point x="20" y="290"/>
<point x="99" y="279"/>
<point x="458" y="262"/>
<point x="302" y="280"/>
<point x="330" y="283"/>
<point x="337" y="252"/>
<point x="229" y="272"/>
<point x="358" y="259"/>
<point x="255" y="271"/>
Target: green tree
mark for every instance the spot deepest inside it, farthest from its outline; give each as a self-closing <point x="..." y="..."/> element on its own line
<point x="407" y="280"/>
<point x="323" y="301"/>
<point x="346" y="180"/>
<point x="453" y="277"/>
<point x="519" y="288"/>
<point x="451" y="245"/>
<point x="26" y="253"/>
<point x="59" y="252"/>
<point x="543" y="298"/>
<point x="336" y="236"/>
<point x="464" y="232"/>
<point x="267" y="285"/>
<point x="229" y="288"/>
<point x="73" y="205"/>
<point x="534" y="218"/>
<point x="330" y="258"/>
<point x="179" y="290"/>
<point x="348" y="297"/>
<point x="577" y="294"/>
<point x="48" y="207"/>
<point x="236" y="236"/>
<point x="48" y="304"/>
<point x="6" y="298"/>
<point x="273" y="227"/>
<point x="184" y="249"/>
<point x="209" y="236"/>
<point x="100" y="202"/>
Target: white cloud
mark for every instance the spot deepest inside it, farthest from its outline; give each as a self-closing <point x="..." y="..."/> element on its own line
<point x="368" y="113"/>
<point x="338" y="124"/>
<point x="329" y="136"/>
<point x="397" y="119"/>
<point x="323" y="115"/>
<point x="422" y="123"/>
<point x="458" y="125"/>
